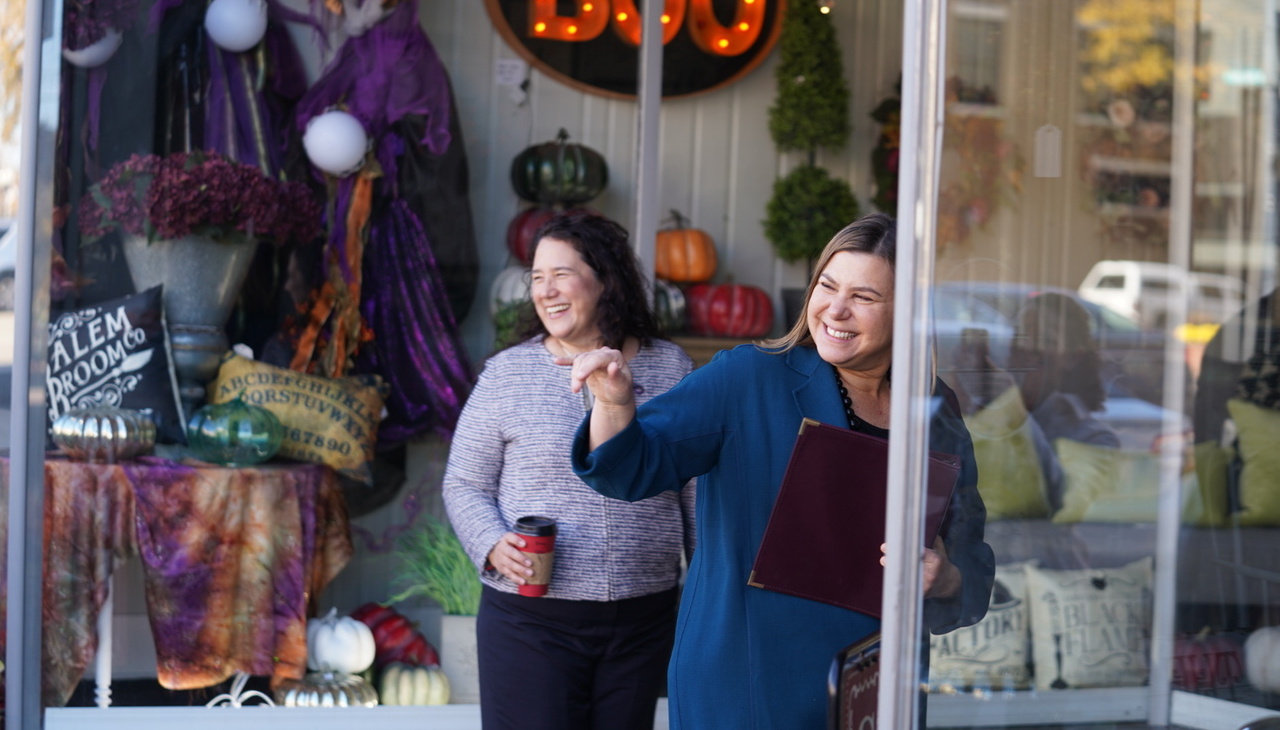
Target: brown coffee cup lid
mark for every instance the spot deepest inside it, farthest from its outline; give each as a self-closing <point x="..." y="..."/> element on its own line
<point x="536" y="525"/>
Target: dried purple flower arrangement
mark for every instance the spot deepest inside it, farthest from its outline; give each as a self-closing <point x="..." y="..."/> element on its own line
<point x="201" y="193"/>
<point x="86" y="22"/>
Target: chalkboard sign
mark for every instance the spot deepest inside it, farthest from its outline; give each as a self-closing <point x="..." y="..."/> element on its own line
<point x="854" y="686"/>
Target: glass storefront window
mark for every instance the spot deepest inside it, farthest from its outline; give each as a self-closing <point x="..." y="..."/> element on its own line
<point x="1101" y="258"/>
<point x="1114" y="206"/>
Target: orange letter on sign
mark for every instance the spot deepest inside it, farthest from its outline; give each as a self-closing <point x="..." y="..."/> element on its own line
<point x="626" y="20"/>
<point x="592" y="17"/>
<point x="712" y="37"/>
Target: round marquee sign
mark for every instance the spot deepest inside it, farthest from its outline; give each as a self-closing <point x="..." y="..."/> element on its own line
<point x="594" y="45"/>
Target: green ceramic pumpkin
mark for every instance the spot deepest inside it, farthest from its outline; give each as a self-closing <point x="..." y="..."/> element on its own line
<point x="234" y="433"/>
<point x="669" y="306"/>
<point x="559" y="172"/>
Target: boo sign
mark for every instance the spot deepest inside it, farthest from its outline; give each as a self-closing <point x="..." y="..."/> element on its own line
<point x="594" y="45"/>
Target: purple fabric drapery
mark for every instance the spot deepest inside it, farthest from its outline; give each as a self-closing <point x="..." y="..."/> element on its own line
<point x="416" y="347"/>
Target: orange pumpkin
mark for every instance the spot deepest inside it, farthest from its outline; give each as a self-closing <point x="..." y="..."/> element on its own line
<point x="683" y="253"/>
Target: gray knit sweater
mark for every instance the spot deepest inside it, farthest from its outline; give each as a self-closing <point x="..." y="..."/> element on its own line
<point x="510" y="458"/>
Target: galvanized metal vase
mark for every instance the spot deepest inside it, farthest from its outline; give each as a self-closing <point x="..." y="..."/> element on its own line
<point x="202" y="278"/>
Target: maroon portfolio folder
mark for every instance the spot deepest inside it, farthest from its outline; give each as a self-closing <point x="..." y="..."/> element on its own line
<point x="824" y="535"/>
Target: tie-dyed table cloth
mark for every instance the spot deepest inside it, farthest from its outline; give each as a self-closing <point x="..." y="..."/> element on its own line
<point x="232" y="560"/>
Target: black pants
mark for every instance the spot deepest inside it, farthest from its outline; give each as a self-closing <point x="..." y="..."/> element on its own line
<point x="569" y="665"/>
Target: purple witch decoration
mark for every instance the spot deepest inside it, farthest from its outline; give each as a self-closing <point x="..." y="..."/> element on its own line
<point x="400" y="325"/>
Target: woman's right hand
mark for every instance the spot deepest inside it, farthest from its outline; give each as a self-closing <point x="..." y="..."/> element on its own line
<point x="506" y="558"/>
<point x="605" y="372"/>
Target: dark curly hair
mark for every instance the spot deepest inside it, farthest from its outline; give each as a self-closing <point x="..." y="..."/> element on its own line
<point x="624" y="310"/>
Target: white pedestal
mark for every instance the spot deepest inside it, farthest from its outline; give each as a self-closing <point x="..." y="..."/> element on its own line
<point x="458" y="658"/>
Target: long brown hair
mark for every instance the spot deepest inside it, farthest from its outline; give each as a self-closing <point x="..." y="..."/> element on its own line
<point x="876" y="234"/>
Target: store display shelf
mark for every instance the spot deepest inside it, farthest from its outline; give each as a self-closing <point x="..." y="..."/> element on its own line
<point x="1030" y="707"/>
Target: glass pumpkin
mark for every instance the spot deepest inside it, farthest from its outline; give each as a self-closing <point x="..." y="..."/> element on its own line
<point x="104" y="433"/>
<point x="326" y="689"/>
<point x="234" y="433"/>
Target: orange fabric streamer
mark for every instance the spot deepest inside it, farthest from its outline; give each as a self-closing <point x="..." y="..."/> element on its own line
<point x="337" y="305"/>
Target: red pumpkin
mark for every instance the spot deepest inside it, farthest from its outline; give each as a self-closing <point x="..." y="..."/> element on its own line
<point x="521" y="230"/>
<point x="1207" y="661"/>
<point x="683" y="253"/>
<point x="395" y="637"/>
<point x="729" y="310"/>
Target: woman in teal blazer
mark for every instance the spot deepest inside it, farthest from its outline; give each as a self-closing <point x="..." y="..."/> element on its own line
<point x="746" y="657"/>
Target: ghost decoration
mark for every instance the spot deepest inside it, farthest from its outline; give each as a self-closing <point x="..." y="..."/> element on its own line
<point x="236" y="25"/>
<point x="95" y="54"/>
<point x="335" y="142"/>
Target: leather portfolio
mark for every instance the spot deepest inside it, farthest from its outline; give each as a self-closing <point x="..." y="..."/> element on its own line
<point x="823" y="538"/>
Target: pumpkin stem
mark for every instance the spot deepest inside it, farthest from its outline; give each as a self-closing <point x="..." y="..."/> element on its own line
<point x="562" y="136"/>
<point x="679" y="219"/>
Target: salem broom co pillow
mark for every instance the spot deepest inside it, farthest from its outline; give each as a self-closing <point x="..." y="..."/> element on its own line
<point x="115" y="353"/>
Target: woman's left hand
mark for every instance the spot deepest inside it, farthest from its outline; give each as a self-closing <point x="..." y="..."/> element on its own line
<point x="942" y="578"/>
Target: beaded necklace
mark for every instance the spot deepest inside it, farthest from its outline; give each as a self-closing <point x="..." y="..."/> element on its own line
<point x="854" y="421"/>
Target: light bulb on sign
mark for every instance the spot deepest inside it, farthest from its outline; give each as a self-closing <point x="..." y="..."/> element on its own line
<point x="826" y="6"/>
<point x="335" y="142"/>
<point x="236" y="25"/>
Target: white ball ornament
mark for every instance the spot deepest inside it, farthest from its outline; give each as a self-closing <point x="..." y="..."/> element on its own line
<point x="236" y="25"/>
<point x="335" y="142"/>
<point x="95" y="54"/>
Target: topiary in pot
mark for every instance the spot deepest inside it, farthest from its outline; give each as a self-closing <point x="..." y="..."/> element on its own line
<point x="812" y="106"/>
<point x="811" y="111"/>
<point x="807" y="208"/>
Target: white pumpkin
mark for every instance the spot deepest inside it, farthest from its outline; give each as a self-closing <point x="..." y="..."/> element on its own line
<point x="407" y="685"/>
<point x="511" y="285"/>
<point x="1262" y="659"/>
<point x="339" y="644"/>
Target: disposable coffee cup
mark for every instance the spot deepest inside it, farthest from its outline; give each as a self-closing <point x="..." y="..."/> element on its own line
<point x="539" y="535"/>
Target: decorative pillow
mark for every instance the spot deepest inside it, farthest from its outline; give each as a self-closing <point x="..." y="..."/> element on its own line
<point x="993" y="653"/>
<point x="1010" y="479"/>
<point x="1259" y="444"/>
<point x="1206" y="504"/>
<point x="115" y="353"/>
<point x="1105" y="484"/>
<point x="1090" y="628"/>
<point x="331" y="421"/>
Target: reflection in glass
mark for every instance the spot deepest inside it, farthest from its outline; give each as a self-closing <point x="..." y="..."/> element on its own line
<point x="1123" y="364"/>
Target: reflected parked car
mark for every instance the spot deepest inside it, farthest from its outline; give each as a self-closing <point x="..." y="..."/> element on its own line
<point x="1133" y="357"/>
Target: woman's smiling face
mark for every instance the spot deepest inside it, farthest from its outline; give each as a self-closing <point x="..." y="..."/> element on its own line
<point x="850" y="312"/>
<point x="566" y="293"/>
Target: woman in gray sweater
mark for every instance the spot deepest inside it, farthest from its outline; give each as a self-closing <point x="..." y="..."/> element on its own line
<point x="593" y="651"/>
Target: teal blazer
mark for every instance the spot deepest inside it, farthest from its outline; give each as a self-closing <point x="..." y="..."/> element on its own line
<point x="746" y="657"/>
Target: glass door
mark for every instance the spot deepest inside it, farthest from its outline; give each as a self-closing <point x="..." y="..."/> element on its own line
<point x="1103" y="263"/>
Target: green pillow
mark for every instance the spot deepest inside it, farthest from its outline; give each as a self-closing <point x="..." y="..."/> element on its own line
<point x="1206" y="504"/>
<point x="1010" y="480"/>
<point x="1105" y="484"/>
<point x="1259" y="444"/>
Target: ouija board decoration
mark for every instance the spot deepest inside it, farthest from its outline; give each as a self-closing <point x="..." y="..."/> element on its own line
<point x="115" y="353"/>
